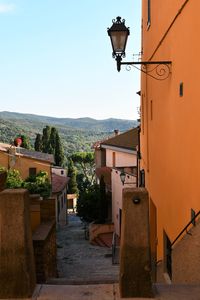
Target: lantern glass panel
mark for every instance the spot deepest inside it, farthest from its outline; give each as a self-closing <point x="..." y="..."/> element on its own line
<point x="119" y="41"/>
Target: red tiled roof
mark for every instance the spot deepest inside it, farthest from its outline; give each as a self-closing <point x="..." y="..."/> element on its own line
<point x="127" y="140"/>
<point x="58" y="183"/>
<point x="28" y="153"/>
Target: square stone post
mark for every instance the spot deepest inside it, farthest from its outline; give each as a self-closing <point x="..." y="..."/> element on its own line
<point x="135" y="273"/>
<point x="17" y="268"/>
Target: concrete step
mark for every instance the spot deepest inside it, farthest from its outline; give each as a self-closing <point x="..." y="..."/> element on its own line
<point x="111" y="292"/>
<point x="103" y="240"/>
<point x="83" y="281"/>
<point x="98" y="242"/>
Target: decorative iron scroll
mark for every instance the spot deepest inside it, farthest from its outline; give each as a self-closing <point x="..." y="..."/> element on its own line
<point x="156" y="70"/>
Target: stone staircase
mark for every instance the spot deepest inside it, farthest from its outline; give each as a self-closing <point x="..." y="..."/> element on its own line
<point x="186" y="257"/>
<point x="111" y="292"/>
<point x="103" y="240"/>
<point x="101" y="234"/>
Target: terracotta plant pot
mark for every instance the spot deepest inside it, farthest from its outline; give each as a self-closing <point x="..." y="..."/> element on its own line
<point x="3" y="177"/>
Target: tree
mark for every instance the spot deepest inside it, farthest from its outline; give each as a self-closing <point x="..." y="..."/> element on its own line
<point x="38" y="184"/>
<point x="45" y="139"/>
<point x="72" y="185"/>
<point x="38" y="143"/>
<point x="85" y="164"/>
<point x="14" y="179"/>
<point x="92" y="203"/>
<point x="59" y="152"/>
<point x="26" y="142"/>
<point x="88" y="204"/>
<point x="50" y="142"/>
<point x="22" y="141"/>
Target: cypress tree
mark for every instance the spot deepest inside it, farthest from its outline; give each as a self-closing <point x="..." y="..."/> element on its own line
<point x="72" y="185"/>
<point x="45" y="138"/>
<point x="59" y="152"/>
<point x="25" y="142"/>
<point x="38" y="142"/>
<point x="52" y="140"/>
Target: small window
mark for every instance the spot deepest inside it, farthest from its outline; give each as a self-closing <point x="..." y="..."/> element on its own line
<point x="114" y="159"/>
<point x="62" y="172"/>
<point x="167" y="255"/>
<point x="181" y="89"/>
<point x="142" y="178"/>
<point x="148" y="13"/>
<point x="32" y="171"/>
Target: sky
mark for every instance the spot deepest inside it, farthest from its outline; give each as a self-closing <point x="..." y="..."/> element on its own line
<point x="56" y="58"/>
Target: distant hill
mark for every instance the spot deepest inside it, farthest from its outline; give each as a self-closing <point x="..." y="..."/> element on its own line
<point x="77" y="134"/>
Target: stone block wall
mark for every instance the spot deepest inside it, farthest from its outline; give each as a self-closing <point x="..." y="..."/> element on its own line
<point x="186" y="258"/>
<point x="47" y="209"/>
<point x="44" y="244"/>
<point x="17" y="268"/>
<point x="135" y="273"/>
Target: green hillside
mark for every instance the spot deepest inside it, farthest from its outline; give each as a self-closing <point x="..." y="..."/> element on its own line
<point x="77" y="134"/>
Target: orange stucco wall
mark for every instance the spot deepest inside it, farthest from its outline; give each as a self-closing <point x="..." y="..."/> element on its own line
<point x="170" y="124"/>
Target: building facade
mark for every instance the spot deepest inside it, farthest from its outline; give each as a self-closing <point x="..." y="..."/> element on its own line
<point x="114" y="156"/>
<point x="27" y="162"/>
<point x="170" y="114"/>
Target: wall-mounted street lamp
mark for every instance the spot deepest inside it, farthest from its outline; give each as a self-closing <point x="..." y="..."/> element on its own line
<point x="123" y="178"/>
<point x="118" y="34"/>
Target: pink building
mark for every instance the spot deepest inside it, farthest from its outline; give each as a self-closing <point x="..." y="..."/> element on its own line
<point x="114" y="157"/>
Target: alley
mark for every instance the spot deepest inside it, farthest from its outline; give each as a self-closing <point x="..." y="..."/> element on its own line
<point x="79" y="262"/>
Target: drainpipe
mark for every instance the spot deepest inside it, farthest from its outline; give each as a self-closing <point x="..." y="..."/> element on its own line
<point x="138" y="157"/>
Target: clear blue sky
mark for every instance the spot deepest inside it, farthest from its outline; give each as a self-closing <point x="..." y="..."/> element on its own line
<point x="55" y="58"/>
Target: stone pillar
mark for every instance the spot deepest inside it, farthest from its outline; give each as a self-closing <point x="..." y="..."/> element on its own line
<point x="135" y="275"/>
<point x="17" y="269"/>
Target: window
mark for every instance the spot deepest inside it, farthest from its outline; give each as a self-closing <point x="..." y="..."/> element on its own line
<point x="148" y="13"/>
<point x="32" y="171"/>
<point x="142" y="178"/>
<point x="113" y="159"/>
<point x="167" y="255"/>
<point x="62" y="172"/>
<point x="181" y="89"/>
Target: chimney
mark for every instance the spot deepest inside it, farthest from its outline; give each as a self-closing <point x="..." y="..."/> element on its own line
<point x="116" y="131"/>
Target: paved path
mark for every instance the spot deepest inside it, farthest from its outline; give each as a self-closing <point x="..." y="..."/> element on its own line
<point x="111" y="292"/>
<point x="81" y="266"/>
<point x="78" y="261"/>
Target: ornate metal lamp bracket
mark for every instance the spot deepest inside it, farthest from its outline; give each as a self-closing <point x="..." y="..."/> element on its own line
<point x="159" y="70"/>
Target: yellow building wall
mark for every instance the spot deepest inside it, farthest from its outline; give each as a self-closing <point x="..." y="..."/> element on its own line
<point x="4" y="158"/>
<point x="170" y="124"/>
<point x="23" y="164"/>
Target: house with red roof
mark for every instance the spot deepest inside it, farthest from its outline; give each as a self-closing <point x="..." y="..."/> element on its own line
<point x="59" y="193"/>
<point x="116" y="160"/>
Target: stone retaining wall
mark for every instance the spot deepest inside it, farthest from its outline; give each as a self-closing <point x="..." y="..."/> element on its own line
<point x="44" y="244"/>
